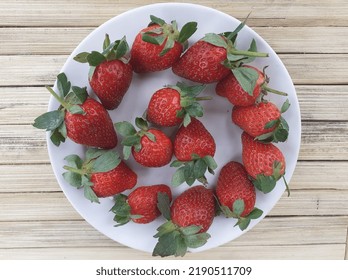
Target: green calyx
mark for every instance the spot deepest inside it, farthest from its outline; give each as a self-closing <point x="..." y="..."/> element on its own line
<point x="168" y="33"/>
<point x="280" y="132"/>
<point x="174" y="240"/>
<point x="267" y="183"/>
<point x="246" y="77"/>
<point x="111" y="51"/>
<point x="189" y="101"/>
<point x="79" y="171"/>
<point x="70" y="99"/>
<point x="122" y="210"/>
<point x="190" y="171"/>
<point x="132" y="137"/>
<point x="236" y="212"/>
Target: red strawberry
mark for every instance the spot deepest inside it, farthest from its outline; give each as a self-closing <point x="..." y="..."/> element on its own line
<point x="241" y="92"/>
<point x="158" y="46"/>
<point x="262" y="121"/>
<point x="140" y="206"/>
<point x="111" y="73"/>
<point x="80" y="118"/>
<point x="230" y="88"/>
<point x="193" y="139"/>
<point x="213" y="57"/>
<point x="150" y="147"/>
<point x="173" y="105"/>
<point x="101" y="174"/>
<point x="194" y="148"/>
<point x="265" y="163"/>
<point x="202" y="63"/>
<point x="236" y="194"/>
<point x="195" y="206"/>
<point x="189" y="217"/>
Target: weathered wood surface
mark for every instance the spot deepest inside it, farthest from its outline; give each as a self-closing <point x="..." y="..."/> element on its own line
<point x="310" y="38"/>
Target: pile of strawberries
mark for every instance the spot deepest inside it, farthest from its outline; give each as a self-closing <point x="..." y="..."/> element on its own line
<point x="104" y="173"/>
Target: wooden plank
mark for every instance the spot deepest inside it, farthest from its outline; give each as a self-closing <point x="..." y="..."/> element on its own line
<point x="308" y="175"/>
<point x="23" y="144"/>
<point x="323" y="102"/>
<point x="28" y="178"/>
<point x="91" y="13"/>
<point x="312" y="202"/>
<point x="312" y="175"/>
<point x="324" y="141"/>
<point x="320" y="141"/>
<point x="48" y="206"/>
<point x="287" y="252"/>
<point x="290" y="231"/>
<point x="21" y="105"/>
<point x="309" y="69"/>
<point x="63" y="40"/>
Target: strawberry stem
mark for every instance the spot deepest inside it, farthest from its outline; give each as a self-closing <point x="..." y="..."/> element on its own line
<point x="59" y="99"/>
<point x="266" y="88"/>
<point x="248" y="53"/>
<point x="203" y="98"/>
<point x="74" y="170"/>
<point x="286" y="185"/>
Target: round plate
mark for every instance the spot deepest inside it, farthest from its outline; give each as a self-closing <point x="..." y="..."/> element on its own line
<point x="217" y="120"/>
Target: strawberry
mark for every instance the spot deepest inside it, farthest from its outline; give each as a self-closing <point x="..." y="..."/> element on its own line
<point x="265" y="163"/>
<point x="236" y="194"/>
<point x="214" y="56"/>
<point x="158" y="46"/>
<point x="189" y="217"/>
<point x="101" y="174"/>
<point x="80" y="118"/>
<point x="232" y="87"/>
<point x="140" y="205"/>
<point x="150" y="147"/>
<point x="262" y="121"/>
<point x="173" y="105"/>
<point x="111" y="74"/>
<point x="194" y="148"/>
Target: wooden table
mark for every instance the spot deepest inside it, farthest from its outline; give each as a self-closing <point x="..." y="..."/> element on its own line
<point x="38" y="222"/>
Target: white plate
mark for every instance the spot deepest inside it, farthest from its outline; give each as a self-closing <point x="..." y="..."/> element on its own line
<point x="217" y="119"/>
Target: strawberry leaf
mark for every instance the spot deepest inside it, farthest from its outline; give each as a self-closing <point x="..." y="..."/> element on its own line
<point x="57" y="138"/>
<point x="76" y="109"/>
<point x="196" y="240"/>
<point x="90" y="194"/>
<point x="178" y="177"/>
<point x="125" y="128"/>
<point x="50" y="120"/>
<point x="167" y="47"/>
<point x="121" y="48"/>
<point x="200" y="167"/>
<point x="73" y="179"/>
<point x="167" y="245"/>
<point x="163" y="205"/>
<point x="190" y="230"/>
<point x="238" y="206"/>
<point x="157" y="20"/>
<point x="127" y="150"/>
<point x="95" y="58"/>
<point x="285" y="106"/>
<point x="106" y="162"/>
<point x="63" y="84"/>
<point x="243" y="223"/>
<point x="215" y="40"/>
<point x="82" y="57"/>
<point x="106" y="42"/>
<point x="187" y="31"/>
<point x="247" y="78"/>
<point x="121" y="209"/>
<point x="156" y="40"/>
<point x="74" y="161"/>
<point x="77" y="96"/>
<point x="255" y="213"/>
